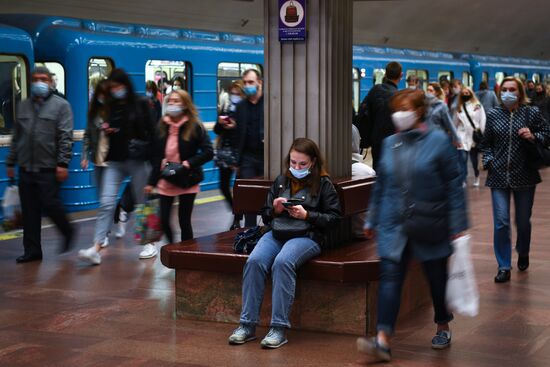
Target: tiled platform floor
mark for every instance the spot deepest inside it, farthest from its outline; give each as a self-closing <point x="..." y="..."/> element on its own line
<point x="63" y="313"/>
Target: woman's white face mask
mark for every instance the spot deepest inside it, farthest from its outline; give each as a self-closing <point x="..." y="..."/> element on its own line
<point x="404" y="120"/>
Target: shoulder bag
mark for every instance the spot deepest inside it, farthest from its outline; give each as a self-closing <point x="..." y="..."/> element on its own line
<point x="177" y="174"/>
<point x="477" y="135"/>
<point x="283" y="226"/>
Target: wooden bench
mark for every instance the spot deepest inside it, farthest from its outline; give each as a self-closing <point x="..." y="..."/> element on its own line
<point x="335" y="292"/>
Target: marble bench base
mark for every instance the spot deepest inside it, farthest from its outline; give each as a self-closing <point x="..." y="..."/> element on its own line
<point x="348" y="308"/>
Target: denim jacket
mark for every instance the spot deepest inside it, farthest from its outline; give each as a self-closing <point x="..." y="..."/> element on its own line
<point x="435" y="172"/>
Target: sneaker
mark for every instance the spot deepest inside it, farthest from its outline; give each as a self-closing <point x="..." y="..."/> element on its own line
<point x="123" y="216"/>
<point x="121" y="231"/>
<point x="372" y="347"/>
<point x="502" y="276"/>
<point x="476" y="182"/>
<point x="441" y="340"/>
<point x="275" y="338"/>
<point x="149" y="251"/>
<point x="242" y="334"/>
<point x="105" y="242"/>
<point x="90" y="255"/>
<point x="523" y="262"/>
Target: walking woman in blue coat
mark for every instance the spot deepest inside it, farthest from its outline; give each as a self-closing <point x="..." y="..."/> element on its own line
<point x="417" y="209"/>
<point x="510" y="129"/>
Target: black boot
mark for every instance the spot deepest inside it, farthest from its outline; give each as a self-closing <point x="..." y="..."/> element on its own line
<point x="523" y="263"/>
<point x="503" y="276"/>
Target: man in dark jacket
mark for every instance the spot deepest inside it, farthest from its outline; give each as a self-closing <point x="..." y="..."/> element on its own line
<point x="379" y="122"/>
<point x="250" y="124"/>
<point x="42" y="147"/>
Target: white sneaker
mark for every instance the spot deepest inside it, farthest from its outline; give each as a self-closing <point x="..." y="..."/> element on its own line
<point x="90" y="255"/>
<point x="123" y="215"/>
<point x="105" y="242"/>
<point x="476" y="182"/>
<point x="121" y="231"/>
<point x="149" y="251"/>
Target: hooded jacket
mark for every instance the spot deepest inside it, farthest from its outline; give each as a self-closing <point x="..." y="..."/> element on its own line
<point x="433" y="175"/>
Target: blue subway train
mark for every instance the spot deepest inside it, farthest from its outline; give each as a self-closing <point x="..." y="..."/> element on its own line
<point x="80" y="52"/>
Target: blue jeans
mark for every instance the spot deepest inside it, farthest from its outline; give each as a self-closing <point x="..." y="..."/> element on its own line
<point x="283" y="259"/>
<point x="523" y="201"/>
<point x="392" y="276"/>
<point x="111" y="179"/>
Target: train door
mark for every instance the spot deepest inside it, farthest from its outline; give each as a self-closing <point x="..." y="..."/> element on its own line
<point x="13" y="89"/>
<point x="228" y="72"/>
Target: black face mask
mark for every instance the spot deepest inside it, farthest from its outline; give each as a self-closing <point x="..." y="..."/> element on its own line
<point x="541" y="93"/>
<point x="466" y="97"/>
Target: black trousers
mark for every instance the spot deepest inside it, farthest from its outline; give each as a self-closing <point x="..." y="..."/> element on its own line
<point x="252" y="166"/>
<point x="225" y="184"/>
<point x="474" y="153"/>
<point x="39" y="191"/>
<point x="185" y="210"/>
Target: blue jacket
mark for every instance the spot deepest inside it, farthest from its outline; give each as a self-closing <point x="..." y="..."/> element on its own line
<point x="504" y="151"/>
<point x="435" y="173"/>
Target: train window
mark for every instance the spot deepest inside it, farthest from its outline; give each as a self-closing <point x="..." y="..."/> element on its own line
<point x="422" y="76"/>
<point x="378" y="76"/>
<point x="98" y="69"/>
<point x="485" y="77"/>
<point x="521" y="76"/>
<point x="467" y="79"/>
<point x="228" y="72"/>
<point x="170" y="70"/>
<point x="499" y="77"/>
<point x="356" y="88"/>
<point x="13" y="89"/>
<point x="58" y="75"/>
<point x="445" y="75"/>
<point x="536" y="78"/>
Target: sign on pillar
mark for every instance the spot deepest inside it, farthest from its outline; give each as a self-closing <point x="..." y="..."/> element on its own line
<point x="292" y="20"/>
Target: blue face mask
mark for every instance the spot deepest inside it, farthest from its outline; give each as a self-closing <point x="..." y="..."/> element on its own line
<point x="250" y="90"/>
<point x="119" y="93"/>
<point x="235" y="99"/>
<point x="149" y="94"/>
<point x="299" y="173"/>
<point x="40" y="89"/>
<point x="509" y="98"/>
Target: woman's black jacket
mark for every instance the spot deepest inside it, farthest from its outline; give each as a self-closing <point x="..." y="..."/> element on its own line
<point x="323" y="209"/>
<point x="197" y="151"/>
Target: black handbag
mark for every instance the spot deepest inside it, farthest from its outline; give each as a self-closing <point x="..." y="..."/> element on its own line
<point x="246" y="241"/>
<point x="179" y="175"/>
<point x="538" y="155"/>
<point x="225" y="157"/>
<point x="477" y="135"/>
<point x="422" y="221"/>
<point x="285" y="228"/>
<point x="139" y="149"/>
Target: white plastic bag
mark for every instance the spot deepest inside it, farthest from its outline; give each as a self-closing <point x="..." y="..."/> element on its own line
<point x="462" y="295"/>
<point x="11" y="207"/>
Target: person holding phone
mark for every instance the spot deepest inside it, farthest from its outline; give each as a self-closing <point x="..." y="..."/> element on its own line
<point x="226" y="156"/>
<point x="301" y="208"/>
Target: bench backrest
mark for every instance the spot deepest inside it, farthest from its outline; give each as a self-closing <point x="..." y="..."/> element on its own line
<point x="249" y="196"/>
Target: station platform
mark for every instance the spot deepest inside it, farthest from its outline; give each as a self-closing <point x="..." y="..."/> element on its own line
<point x="61" y="312"/>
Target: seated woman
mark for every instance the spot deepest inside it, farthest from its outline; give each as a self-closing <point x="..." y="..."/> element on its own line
<point x="417" y="208"/>
<point x="301" y="207"/>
